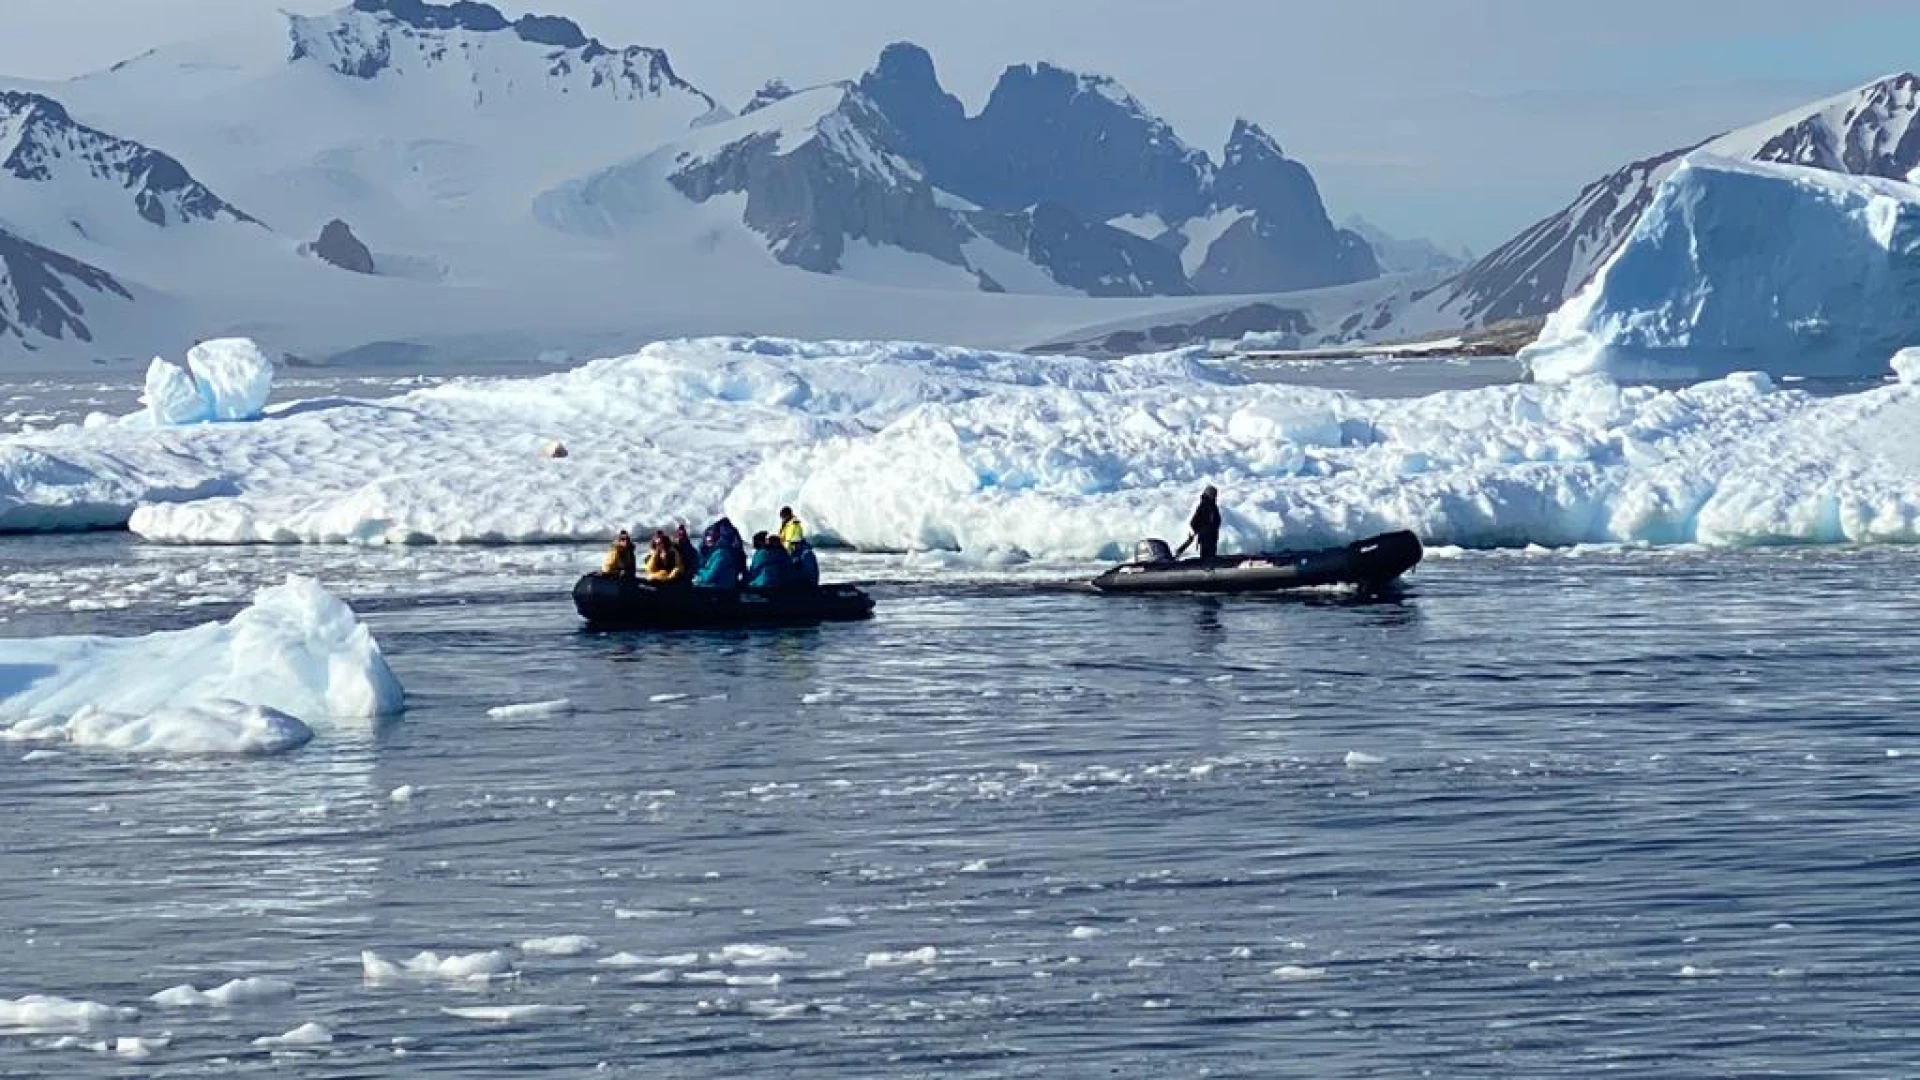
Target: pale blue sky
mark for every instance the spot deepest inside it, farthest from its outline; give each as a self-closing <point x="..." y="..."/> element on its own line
<point x="1463" y="120"/>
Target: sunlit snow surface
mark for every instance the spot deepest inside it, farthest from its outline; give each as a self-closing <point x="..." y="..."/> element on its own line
<point x="900" y="447"/>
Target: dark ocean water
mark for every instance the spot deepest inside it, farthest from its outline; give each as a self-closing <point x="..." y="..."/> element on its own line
<point x="1651" y="813"/>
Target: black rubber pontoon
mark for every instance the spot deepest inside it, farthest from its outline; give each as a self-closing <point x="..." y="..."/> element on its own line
<point x="625" y="604"/>
<point x="1369" y="564"/>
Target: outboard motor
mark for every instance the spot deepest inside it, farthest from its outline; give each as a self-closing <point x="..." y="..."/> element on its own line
<point x="1152" y="551"/>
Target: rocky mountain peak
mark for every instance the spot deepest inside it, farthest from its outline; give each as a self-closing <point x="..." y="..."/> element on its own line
<point x="373" y="37"/>
<point x="775" y="90"/>
<point x="40" y="142"/>
<point x="1250" y="143"/>
<point x="338" y="246"/>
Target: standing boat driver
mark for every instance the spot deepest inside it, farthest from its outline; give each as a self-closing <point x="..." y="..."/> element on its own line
<point x="791" y="531"/>
<point x="621" y="562"/>
<point x="1205" y="525"/>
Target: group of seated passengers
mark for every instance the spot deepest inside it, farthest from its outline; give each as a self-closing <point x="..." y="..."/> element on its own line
<point x="781" y="560"/>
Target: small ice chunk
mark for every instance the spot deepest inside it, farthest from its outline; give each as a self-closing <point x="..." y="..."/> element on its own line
<point x="562" y="945"/>
<point x="921" y="957"/>
<point x="1357" y="759"/>
<point x="432" y="967"/>
<point x="663" y="699"/>
<point x="510" y="1014"/>
<point x="137" y="1048"/>
<point x="556" y="707"/>
<point x="225" y="996"/>
<point x="1086" y="933"/>
<point x="43" y="1014"/>
<point x="1296" y="973"/>
<point x="307" y="1034"/>
<point x="756" y="955"/>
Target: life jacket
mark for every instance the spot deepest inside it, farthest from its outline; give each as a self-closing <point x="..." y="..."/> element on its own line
<point x="792" y="533"/>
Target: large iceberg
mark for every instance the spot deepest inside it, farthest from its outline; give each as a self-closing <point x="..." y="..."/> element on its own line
<point x="225" y="379"/>
<point x="894" y="446"/>
<point x="250" y="685"/>
<point x="1741" y="266"/>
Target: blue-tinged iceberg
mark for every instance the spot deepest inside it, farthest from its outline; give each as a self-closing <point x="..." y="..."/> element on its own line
<point x="1738" y="266"/>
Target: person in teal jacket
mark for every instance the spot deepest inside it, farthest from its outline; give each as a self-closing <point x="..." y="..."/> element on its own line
<point x="770" y="565"/>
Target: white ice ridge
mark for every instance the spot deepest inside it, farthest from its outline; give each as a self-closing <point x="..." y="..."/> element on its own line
<point x="1745" y="266"/>
<point x="239" y="687"/>
<point x="896" y="446"/>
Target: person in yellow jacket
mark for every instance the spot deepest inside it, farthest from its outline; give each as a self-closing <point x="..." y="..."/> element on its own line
<point x="663" y="561"/>
<point x="620" y="557"/>
<point x="791" y="531"/>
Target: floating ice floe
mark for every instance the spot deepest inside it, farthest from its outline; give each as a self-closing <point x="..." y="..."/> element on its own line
<point x="308" y="1034"/>
<point x="225" y="996"/>
<point x="42" y="1014"/>
<point x="477" y="967"/>
<point x="528" y="710"/>
<point x="562" y="945"/>
<point x="239" y="687"/>
<point x="902" y="447"/>
<point x="1739" y="265"/>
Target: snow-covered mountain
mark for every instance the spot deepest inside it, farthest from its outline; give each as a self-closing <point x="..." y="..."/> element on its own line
<point x="823" y="177"/>
<point x="45" y="296"/>
<point x="42" y="145"/>
<point x="501" y="180"/>
<point x="1415" y="255"/>
<point x="1870" y="131"/>
<point x="1082" y="144"/>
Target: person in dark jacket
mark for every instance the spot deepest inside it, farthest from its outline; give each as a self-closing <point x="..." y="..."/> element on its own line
<point x="682" y="543"/>
<point x="806" y="567"/>
<point x="1205" y="524"/>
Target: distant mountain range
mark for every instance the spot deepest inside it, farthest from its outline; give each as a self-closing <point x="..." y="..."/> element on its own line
<point x="1873" y="130"/>
<point x="399" y="180"/>
<point x="441" y="170"/>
